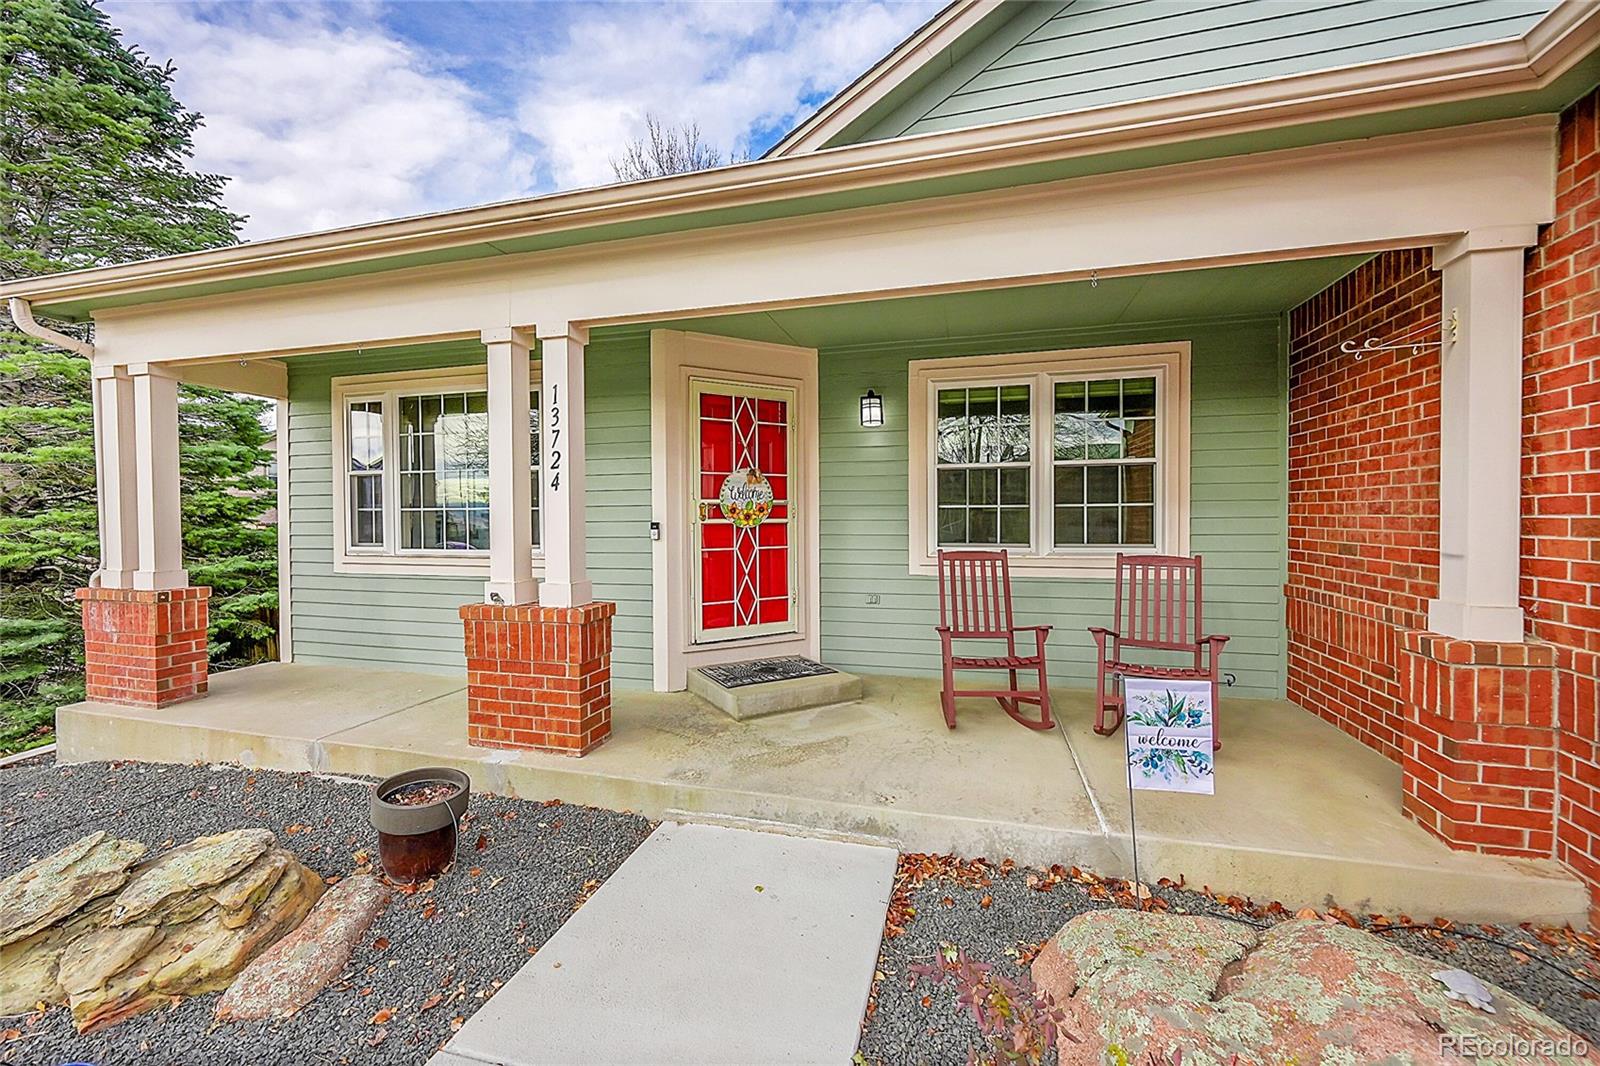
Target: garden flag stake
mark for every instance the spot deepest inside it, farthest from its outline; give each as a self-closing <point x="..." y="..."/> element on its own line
<point x="1168" y="733"/>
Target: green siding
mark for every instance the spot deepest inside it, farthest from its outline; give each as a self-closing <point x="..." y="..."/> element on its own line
<point x="410" y="621"/>
<point x="1054" y="57"/>
<point x="1237" y="521"/>
<point x="1237" y="514"/>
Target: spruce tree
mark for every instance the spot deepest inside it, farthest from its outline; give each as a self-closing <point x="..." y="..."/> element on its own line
<point x="95" y="157"/>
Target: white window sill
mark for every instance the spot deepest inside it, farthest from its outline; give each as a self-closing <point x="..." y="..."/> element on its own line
<point x="1092" y="566"/>
<point x="441" y="565"/>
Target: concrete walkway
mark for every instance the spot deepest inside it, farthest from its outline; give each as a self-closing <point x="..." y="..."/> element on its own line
<point x="708" y="945"/>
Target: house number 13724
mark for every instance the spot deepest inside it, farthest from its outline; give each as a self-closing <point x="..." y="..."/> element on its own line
<point x="555" y="438"/>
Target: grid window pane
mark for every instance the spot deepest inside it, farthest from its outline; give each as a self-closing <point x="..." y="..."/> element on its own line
<point x="1102" y="484"/>
<point x="1102" y="525"/>
<point x="1105" y="462"/>
<point x="952" y="487"/>
<point x="952" y="525"/>
<point x="444" y="474"/>
<point x="1069" y="525"/>
<point x="1014" y="486"/>
<point x="983" y="441"/>
<point x="1138" y="525"/>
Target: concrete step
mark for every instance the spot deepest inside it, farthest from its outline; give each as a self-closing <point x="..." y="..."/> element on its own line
<point x="775" y="697"/>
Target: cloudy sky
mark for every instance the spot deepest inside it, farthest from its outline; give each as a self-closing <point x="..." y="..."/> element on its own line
<point x="327" y="114"/>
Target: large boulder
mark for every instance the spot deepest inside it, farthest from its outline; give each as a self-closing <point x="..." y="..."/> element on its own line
<point x="88" y="929"/>
<point x="289" y="974"/>
<point x="1144" y="986"/>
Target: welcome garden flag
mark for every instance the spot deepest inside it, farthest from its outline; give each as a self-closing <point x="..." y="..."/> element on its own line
<point x="1169" y="735"/>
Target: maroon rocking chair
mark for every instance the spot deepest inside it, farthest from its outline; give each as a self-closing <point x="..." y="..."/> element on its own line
<point x="1157" y="603"/>
<point x="975" y="604"/>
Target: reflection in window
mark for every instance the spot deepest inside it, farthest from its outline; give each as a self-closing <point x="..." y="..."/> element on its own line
<point x="364" y="431"/>
<point x="983" y="439"/>
<point x="444" y="471"/>
<point x="1105" y="462"/>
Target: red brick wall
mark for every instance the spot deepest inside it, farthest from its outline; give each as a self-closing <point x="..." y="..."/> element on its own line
<point x="1561" y="474"/>
<point x="144" y="647"/>
<point x="538" y="677"/>
<point x="1363" y="528"/>
<point x="1363" y="492"/>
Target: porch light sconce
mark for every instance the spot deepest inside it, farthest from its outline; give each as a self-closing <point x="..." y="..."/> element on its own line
<point x="871" y="410"/>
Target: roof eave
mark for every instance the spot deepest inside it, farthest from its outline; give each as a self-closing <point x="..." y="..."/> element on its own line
<point x="1498" y="67"/>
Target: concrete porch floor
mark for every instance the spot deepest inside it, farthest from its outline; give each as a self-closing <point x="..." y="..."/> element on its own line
<point x="1303" y="814"/>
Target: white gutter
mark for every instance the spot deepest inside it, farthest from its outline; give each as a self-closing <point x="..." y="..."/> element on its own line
<point x="22" y="315"/>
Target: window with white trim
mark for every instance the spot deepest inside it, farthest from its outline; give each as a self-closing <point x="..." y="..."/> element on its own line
<point x="430" y="500"/>
<point x="1062" y="459"/>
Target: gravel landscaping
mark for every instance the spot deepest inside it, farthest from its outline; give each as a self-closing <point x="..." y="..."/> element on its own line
<point x="426" y="964"/>
<point x="999" y="915"/>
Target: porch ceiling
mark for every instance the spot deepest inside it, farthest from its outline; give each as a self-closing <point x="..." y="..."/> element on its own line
<point x="1220" y="292"/>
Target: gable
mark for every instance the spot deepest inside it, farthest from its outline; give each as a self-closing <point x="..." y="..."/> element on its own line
<point x="1071" y="55"/>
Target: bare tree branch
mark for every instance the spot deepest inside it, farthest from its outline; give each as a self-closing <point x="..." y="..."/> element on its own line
<point x="662" y="151"/>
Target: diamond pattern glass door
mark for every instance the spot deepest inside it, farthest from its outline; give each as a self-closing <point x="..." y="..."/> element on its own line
<point x="745" y="567"/>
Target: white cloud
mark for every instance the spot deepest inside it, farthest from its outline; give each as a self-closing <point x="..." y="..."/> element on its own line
<point x="322" y="116"/>
<point x="322" y="125"/>
<point x="733" y="68"/>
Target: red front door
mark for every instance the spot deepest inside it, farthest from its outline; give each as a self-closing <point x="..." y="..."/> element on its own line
<point x="744" y="581"/>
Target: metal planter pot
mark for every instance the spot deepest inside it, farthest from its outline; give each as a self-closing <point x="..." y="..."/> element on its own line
<point x="416" y="842"/>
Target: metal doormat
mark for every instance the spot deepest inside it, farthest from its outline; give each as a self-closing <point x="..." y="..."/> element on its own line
<point x="763" y="671"/>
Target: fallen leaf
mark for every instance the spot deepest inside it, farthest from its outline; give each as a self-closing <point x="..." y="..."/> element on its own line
<point x="483" y="842"/>
<point x="10" y="1034"/>
<point x="457" y="1022"/>
<point x="760" y="888"/>
<point x="382" y="1017"/>
<point x="1307" y="912"/>
<point x="377" y="1038"/>
<point x="381" y="944"/>
<point x="985" y="902"/>
<point x="431" y="1002"/>
<point x="427" y="911"/>
<point x="475" y="871"/>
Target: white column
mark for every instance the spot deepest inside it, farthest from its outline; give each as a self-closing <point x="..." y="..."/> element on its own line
<point x="155" y="476"/>
<point x="1480" y="435"/>
<point x="114" y="448"/>
<point x="510" y="456"/>
<point x="561" y="395"/>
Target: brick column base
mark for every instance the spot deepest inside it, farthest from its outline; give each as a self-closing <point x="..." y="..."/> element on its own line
<point x="539" y="677"/>
<point x="144" y="647"/>
<point x="1479" y="752"/>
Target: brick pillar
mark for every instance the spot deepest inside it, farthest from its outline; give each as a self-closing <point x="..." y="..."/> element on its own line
<point x="1479" y="753"/>
<point x="145" y="647"/>
<point x="538" y="677"/>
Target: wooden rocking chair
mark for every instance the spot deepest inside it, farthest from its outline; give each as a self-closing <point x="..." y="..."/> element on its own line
<point x="975" y="604"/>
<point x="1156" y="598"/>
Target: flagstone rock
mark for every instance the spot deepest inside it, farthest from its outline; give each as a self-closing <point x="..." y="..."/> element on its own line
<point x="289" y="974"/>
<point x="173" y="877"/>
<point x="116" y="939"/>
<point x="42" y="894"/>
<point x="1141" y="987"/>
